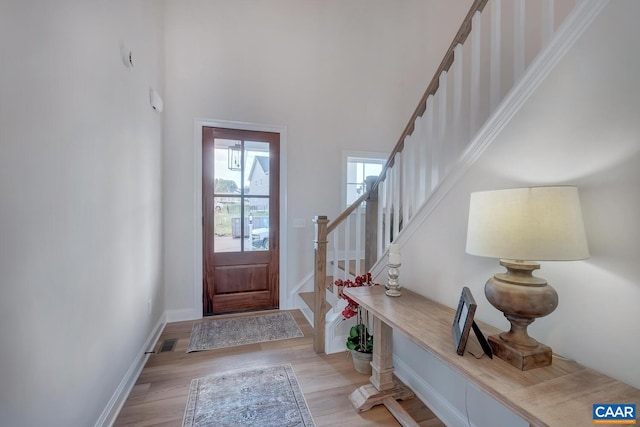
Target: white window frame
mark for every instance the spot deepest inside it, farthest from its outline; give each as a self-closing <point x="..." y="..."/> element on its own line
<point x="362" y="157"/>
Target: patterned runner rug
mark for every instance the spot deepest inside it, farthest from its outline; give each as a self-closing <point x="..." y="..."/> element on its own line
<point x="264" y="397"/>
<point x="221" y="333"/>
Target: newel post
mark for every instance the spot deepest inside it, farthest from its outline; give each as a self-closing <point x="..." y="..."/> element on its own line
<point x="320" y="279"/>
<point x="371" y="225"/>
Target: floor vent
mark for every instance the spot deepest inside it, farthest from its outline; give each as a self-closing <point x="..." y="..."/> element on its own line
<point x="168" y="345"/>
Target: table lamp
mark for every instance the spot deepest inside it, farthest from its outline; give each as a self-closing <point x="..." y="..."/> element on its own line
<point x="522" y="226"/>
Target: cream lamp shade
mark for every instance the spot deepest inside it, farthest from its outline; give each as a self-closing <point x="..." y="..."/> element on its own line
<point x="527" y="224"/>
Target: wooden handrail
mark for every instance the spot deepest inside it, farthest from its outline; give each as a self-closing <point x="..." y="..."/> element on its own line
<point x="336" y="222"/>
<point x="460" y="38"/>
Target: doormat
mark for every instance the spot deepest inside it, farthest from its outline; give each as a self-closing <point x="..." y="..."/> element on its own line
<point x="222" y="333"/>
<point x="265" y="397"/>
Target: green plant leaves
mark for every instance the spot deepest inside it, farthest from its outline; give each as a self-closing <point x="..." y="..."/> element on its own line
<point x="359" y="339"/>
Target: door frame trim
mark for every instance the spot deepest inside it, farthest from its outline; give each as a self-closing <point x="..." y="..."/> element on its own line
<point x="283" y="302"/>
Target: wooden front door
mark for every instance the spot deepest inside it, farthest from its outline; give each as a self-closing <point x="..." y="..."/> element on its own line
<point x="240" y="185"/>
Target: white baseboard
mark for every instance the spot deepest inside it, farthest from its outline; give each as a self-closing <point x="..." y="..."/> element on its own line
<point x="307" y="313"/>
<point x="111" y="411"/>
<point x="337" y="345"/>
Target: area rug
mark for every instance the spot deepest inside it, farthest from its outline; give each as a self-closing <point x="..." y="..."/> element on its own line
<point x="221" y="333"/>
<point x="262" y="397"/>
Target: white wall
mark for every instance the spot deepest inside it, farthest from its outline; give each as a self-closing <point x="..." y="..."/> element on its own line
<point x="80" y="204"/>
<point x="580" y="127"/>
<point x="339" y="75"/>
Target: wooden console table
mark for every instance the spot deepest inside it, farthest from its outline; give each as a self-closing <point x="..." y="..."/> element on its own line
<point x="562" y="394"/>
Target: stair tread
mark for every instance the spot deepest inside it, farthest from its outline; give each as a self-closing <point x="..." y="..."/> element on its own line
<point x="310" y="299"/>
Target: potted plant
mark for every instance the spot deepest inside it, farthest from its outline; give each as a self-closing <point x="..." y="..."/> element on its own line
<point x="360" y="341"/>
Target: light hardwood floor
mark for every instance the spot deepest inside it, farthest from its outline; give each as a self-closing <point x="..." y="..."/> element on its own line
<point x="160" y="394"/>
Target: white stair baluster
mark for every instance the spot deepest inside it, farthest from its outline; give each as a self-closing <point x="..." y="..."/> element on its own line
<point x="420" y="164"/>
<point x="407" y="181"/>
<point x="395" y="192"/>
<point x="443" y="144"/>
<point x="430" y="136"/>
<point x="474" y="110"/>
<point x="381" y="209"/>
<point x="347" y="240"/>
<point x="399" y="190"/>
<point x="359" y="212"/>
<point x="496" y="41"/>
<point x="388" y="202"/>
<point x="548" y="8"/>
<point x="518" y="40"/>
<point x="413" y="172"/>
<point x="383" y="215"/>
<point x="457" y="142"/>
<point x="336" y="237"/>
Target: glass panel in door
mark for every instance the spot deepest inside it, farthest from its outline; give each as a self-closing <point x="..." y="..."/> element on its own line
<point x="241" y="195"/>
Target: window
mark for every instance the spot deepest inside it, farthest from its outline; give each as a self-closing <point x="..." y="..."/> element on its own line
<point x="358" y="166"/>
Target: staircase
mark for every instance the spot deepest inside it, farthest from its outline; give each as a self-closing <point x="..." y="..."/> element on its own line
<point x="501" y="52"/>
<point x="336" y="328"/>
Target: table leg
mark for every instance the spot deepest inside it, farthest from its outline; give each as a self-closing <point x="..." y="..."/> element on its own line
<point x="382" y="384"/>
<point x="382" y="363"/>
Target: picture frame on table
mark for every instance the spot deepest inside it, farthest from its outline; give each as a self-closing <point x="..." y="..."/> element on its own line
<point x="463" y="321"/>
